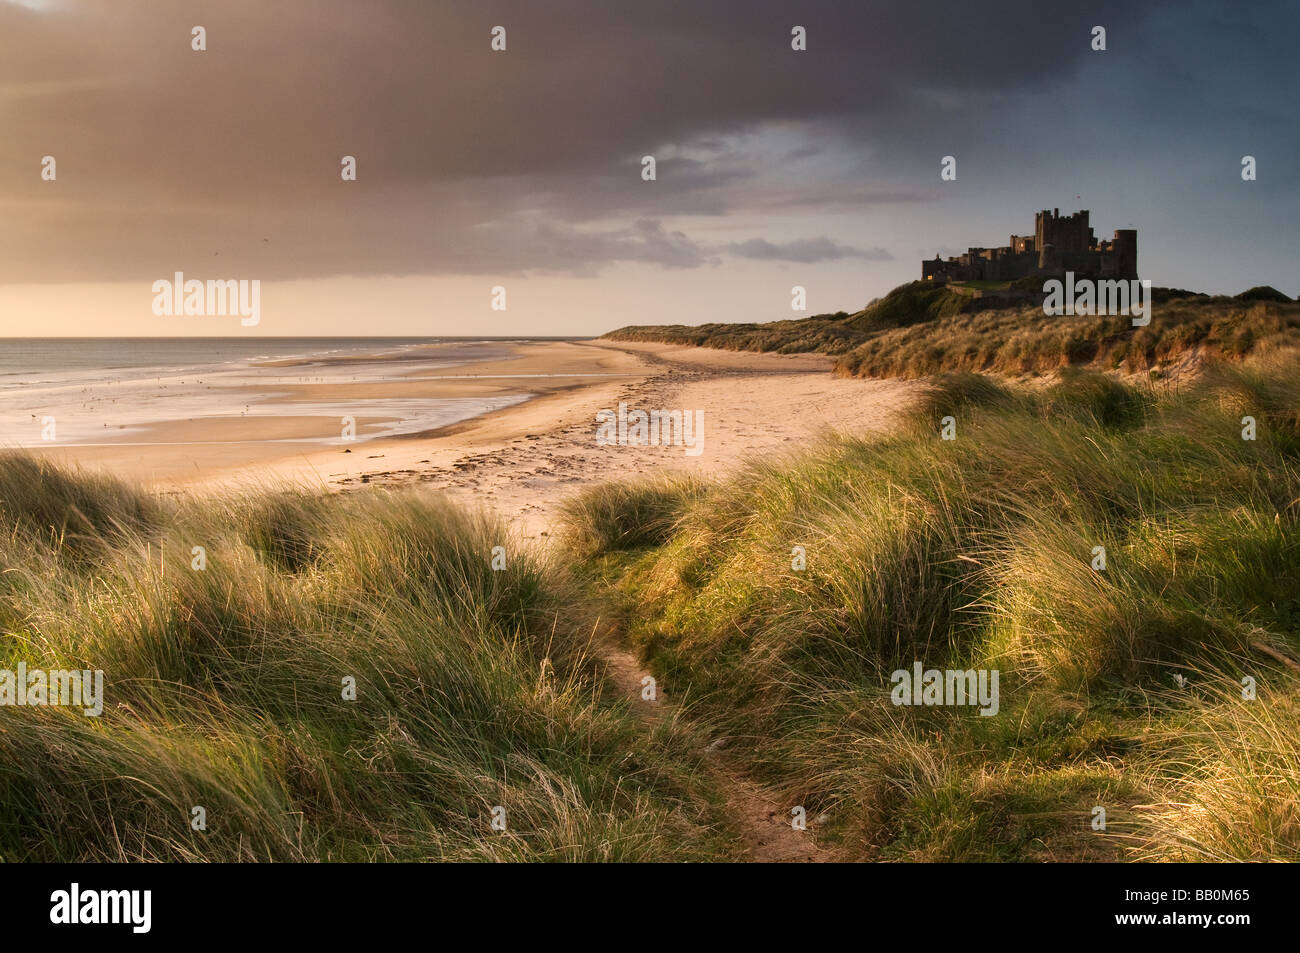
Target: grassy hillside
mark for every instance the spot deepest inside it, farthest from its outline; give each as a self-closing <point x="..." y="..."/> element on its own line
<point x="223" y="688"/>
<point x="1120" y="688"/>
<point x="922" y="328"/>
<point x="822" y="334"/>
<point x="1019" y="341"/>
<point x="976" y="553"/>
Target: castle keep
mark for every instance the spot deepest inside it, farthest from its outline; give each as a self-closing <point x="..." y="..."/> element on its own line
<point x="1059" y="243"/>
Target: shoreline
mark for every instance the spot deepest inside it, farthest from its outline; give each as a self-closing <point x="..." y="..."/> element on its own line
<point x="524" y="459"/>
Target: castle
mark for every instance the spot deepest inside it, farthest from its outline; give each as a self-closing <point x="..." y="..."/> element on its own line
<point x="1059" y="243"/>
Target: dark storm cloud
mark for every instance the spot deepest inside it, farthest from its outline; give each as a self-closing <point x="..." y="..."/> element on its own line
<point x="469" y="160"/>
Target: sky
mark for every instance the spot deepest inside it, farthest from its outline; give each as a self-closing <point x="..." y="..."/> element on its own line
<point x="522" y="168"/>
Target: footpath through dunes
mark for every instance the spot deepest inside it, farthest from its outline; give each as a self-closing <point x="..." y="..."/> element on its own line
<point x="753" y="405"/>
<point x="755" y="813"/>
<point x="1119" y="560"/>
<point x="523" y="463"/>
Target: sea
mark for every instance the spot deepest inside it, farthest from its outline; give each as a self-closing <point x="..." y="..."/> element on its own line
<point x="93" y="391"/>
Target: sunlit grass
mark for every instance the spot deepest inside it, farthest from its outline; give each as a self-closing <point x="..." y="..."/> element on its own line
<point x="978" y="553"/>
<point x="475" y="688"/>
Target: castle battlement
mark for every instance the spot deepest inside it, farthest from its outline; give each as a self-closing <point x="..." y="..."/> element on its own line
<point x="1059" y="243"/>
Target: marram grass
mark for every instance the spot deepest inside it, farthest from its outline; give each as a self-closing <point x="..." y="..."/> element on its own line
<point x="1121" y="688"/>
<point x="475" y="689"/>
<point x="1161" y="689"/>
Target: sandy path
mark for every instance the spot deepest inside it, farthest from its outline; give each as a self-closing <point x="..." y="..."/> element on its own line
<point x="763" y="821"/>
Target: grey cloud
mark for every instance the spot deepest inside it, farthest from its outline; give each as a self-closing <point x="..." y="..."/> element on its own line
<point x="169" y="158"/>
<point x="552" y="247"/>
<point x="804" y="250"/>
<point x="804" y="152"/>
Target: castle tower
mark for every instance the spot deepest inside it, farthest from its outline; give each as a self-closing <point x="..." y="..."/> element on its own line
<point x="1125" y="247"/>
<point x="1067" y="234"/>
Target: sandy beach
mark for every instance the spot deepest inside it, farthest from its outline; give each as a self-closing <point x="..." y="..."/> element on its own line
<point x="523" y="459"/>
